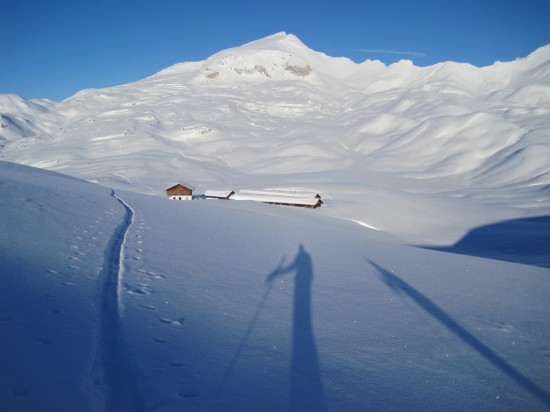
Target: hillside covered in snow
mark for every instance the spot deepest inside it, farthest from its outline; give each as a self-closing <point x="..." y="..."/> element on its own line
<point x="425" y="153"/>
<point x="421" y="283"/>
<point x="117" y="301"/>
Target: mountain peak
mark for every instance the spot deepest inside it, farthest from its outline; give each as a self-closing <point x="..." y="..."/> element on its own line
<point x="279" y="55"/>
<point x="280" y="40"/>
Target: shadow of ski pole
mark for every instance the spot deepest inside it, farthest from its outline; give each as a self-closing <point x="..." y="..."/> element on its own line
<point x="246" y="336"/>
<point x="400" y="286"/>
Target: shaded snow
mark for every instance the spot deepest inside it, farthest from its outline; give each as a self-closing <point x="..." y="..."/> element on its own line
<point x="54" y="239"/>
<point x="244" y="306"/>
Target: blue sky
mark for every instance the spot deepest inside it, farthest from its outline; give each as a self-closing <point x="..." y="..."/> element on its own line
<point x="54" y="48"/>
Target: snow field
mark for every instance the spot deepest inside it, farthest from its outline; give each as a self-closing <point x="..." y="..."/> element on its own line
<point x="220" y="337"/>
<point x="239" y="306"/>
<point x="478" y="135"/>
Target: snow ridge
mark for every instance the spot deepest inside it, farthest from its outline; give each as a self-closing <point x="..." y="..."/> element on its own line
<point x="122" y="394"/>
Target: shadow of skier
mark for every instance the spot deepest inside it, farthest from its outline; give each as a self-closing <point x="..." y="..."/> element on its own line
<point x="306" y="387"/>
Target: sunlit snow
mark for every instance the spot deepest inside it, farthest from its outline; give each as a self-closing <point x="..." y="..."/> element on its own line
<point x="422" y="282"/>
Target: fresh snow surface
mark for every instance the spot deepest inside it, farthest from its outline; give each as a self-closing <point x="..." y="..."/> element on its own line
<point x="422" y="282"/>
<point x="425" y="153"/>
<point x="117" y="301"/>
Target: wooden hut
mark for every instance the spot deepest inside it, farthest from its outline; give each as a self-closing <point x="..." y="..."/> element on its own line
<point x="179" y="192"/>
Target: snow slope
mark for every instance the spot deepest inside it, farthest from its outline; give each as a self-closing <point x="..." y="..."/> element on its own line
<point x="147" y="304"/>
<point x="55" y="233"/>
<point x="425" y="153"/>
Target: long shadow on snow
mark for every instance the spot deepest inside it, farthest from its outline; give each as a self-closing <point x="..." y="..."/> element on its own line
<point x="524" y="241"/>
<point x="400" y="286"/>
<point x="306" y="386"/>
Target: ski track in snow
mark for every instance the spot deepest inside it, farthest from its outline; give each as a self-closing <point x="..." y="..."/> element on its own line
<point x="122" y="394"/>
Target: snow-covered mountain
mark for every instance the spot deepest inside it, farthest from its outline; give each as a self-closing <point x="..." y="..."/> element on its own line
<point x="426" y="153"/>
<point x="115" y="300"/>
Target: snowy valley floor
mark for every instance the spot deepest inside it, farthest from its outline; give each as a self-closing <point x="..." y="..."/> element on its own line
<point x="119" y="301"/>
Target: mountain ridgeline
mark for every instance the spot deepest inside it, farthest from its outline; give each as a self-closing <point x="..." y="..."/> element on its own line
<point x="399" y="146"/>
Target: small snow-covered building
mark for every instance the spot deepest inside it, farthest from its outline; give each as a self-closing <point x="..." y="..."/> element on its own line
<point x="179" y="192"/>
<point x="283" y="192"/>
<point x="219" y="194"/>
<point x="310" y="202"/>
<point x="275" y="197"/>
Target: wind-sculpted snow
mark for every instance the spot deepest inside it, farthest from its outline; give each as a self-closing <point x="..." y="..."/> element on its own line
<point x="21" y="119"/>
<point x="395" y="146"/>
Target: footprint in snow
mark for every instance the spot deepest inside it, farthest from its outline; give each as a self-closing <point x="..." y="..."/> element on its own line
<point x="55" y="273"/>
<point x="155" y="275"/>
<point x="503" y="326"/>
<point x="177" y="322"/>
